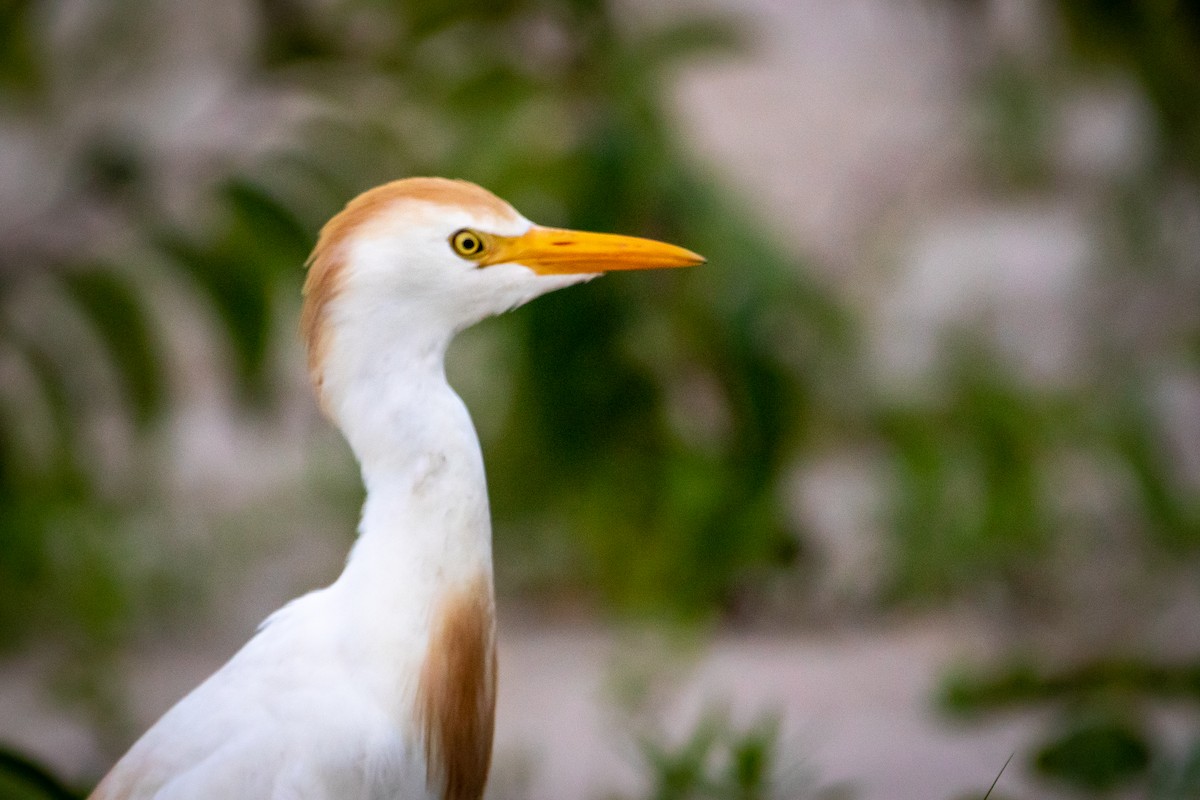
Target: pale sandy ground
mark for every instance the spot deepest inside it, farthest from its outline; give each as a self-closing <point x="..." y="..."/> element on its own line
<point x="844" y="128"/>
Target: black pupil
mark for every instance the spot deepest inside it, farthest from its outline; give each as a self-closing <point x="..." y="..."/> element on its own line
<point x="469" y="243"/>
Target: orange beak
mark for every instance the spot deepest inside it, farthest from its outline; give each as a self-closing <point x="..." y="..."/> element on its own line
<point x="554" y="251"/>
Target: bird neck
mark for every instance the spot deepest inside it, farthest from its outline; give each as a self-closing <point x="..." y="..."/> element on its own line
<point x="425" y="532"/>
<point x="416" y="596"/>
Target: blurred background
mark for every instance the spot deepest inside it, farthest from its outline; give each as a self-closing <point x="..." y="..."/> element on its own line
<point x="901" y="484"/>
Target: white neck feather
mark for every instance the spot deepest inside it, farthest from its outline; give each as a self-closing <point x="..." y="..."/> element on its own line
<point x="425" y="523"/>
<point x="425" y="532"/>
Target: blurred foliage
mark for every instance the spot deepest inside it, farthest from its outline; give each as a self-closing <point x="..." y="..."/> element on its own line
<point x="687" y="397"/>
<point x="968" y="502"/>
<point x="236" y="263"/>
<point x="23" y="779"/>
<point x="715" y="762"/>
<point x="1105" y="734"/>
<point x="1083" y="684"/>
<point x="976" y="501"/>
<point x="1101" y="739"/>
<point x="719" y="761"/>
<point x="1155" y="43"/>
<point x="1017" y="107"/>
<point x="1096" y="756"/>
<point x="1177" y="777"/>
<point x="1159" y="44"/>
<point x="661" y="416"/>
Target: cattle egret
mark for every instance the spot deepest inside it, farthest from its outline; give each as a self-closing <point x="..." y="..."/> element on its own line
<point x="382" y="684"/>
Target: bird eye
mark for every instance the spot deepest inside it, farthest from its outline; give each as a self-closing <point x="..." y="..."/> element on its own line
<point x="467" y="243"/>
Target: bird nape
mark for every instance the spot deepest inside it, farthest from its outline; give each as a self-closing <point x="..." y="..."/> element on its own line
<point x="382" y="684"/>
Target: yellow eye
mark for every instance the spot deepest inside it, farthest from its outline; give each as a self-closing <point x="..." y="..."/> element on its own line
<point x="467" y="243"/>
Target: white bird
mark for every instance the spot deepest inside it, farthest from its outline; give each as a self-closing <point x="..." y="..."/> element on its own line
<point x="382" y="684"/>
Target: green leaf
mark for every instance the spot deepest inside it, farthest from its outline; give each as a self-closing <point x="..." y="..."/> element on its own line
<point x="1096" y="757"/>
<point x="290" y="34"/>
<point x="27" y="778"/>
<point x="116" y="314"/>
<point x="20" y="70"/>
<point x="263" y="228"/>
<point x="237" y="293"/>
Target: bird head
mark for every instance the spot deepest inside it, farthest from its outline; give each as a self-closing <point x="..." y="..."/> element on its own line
<point x="419" y="259"/>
